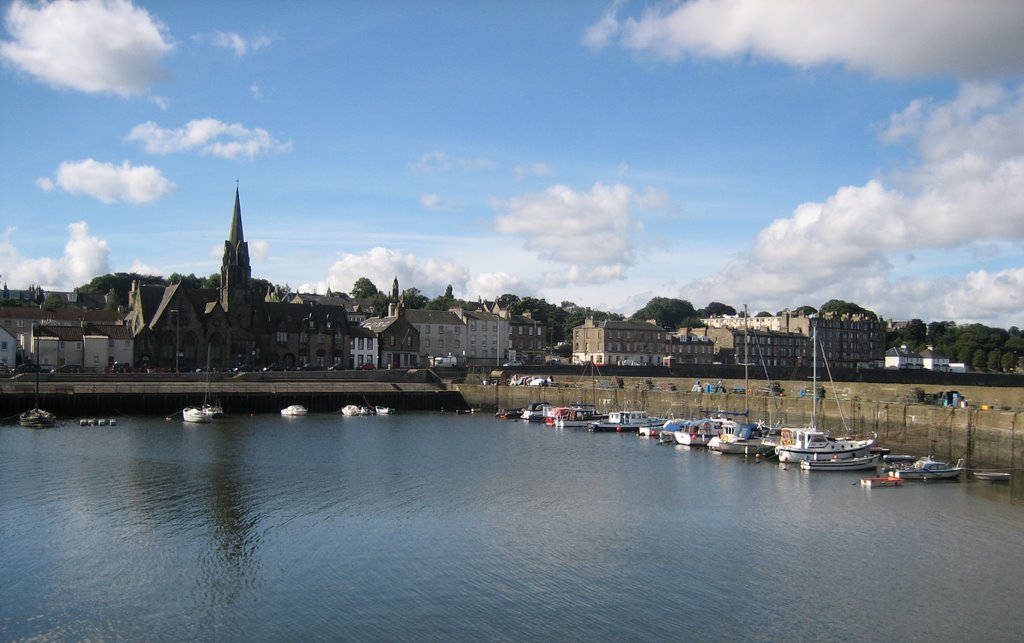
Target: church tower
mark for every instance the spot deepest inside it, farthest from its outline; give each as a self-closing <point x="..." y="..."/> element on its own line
<point x="394" y="289"/>
<point x="235" y="271"/>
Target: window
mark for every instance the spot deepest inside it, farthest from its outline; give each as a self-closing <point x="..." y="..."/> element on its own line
<point x="426" y="343"/>
<point x="427" y="330"/>
<point x="440" y="343"/>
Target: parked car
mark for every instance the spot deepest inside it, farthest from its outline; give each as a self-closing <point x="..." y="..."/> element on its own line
<point x="513" y="362"/>
<point x="31" y="367"/>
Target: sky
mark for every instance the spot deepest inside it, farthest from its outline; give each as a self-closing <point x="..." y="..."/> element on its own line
<point x="761" y="154"/>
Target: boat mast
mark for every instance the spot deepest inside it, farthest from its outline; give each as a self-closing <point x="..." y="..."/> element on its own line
<point x="814" y="372"/>
<point x="746" y="362"/>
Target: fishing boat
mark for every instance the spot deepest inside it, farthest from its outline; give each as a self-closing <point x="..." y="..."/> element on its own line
<point x="841" y="464"/>
<point x="928" y="469"/>
<point x="295" y="410"/>
<point x="625" y="422"/>
<point x="196" y="414"/>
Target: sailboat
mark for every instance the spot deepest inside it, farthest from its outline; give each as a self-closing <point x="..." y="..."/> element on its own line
<point x="746" y="438"/>
<point x="811" y="443"/>
<point x="37" y="418"/>
<point x="214" y="410"/>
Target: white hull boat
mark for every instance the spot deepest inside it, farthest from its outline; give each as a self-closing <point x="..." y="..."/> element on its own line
<point x="928" y="469"/>
<point x="295" y="410"/>
<point x="841" y="464"/>
<point x="196" y="414"/>
<point x="796" y="445"/>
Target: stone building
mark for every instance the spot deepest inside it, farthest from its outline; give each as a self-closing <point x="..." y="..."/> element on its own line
<point x="760" y="347"/>
<point x="177" y="328"/>
<point x="619" y="342"/>
<point x="397" y="339"/>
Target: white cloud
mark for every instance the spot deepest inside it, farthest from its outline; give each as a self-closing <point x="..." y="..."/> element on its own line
<point x="140" y="268"/>
<point x="381" y="265"/>
<point x="433" y="202"/>
<point x="591" y="232"/>
<point x="240" y="45"/>
<point x="84" y="257"/>
<point x="962" y="202"/>
<point x="110" y="183"/>
<point x="210" y="136"/>
<point x="258" y="250"/>
<point x="438" y="161"/>
<point x="93" y="46"/>
<point x="903" y="38"/>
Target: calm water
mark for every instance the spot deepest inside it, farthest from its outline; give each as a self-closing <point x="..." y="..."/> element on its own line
<point x="455" y="528"/>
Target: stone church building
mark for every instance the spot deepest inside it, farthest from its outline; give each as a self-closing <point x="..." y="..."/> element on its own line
<point x="178" y="328"/>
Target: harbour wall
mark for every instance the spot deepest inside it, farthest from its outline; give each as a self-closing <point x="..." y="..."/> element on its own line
<point x="985" y="436"/>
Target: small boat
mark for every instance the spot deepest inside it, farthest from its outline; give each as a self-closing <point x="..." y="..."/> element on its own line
<point x="383" y="410"/>
<point x="294" y="410"/>
<point x="841" y="464"/>
<point x="509" y="414"/>
<point x="739" y="439"/>
<point x="880" y="482"/>
<point x="626" y="422"/>
<point x="196" y="414"/>
<point x="694" y="433"/>
<point x="578" y="416"/>
<point x="535" y="411"/>
<point x="37" y="419"/>
<point x="992" y="476"/>
<point x="213" y="410"/>
<point x="928" y="469"/>
<point x="353" y="410"/>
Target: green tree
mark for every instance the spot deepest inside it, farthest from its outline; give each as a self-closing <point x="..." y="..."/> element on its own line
<point x="413" y="299"/>
<point x="189" y="281"/>
<point x="363" y="288"/>
<point x="119" y="282"/>
<point x="840" y="307"/>
<point x="55" y="302"/>
<point x="717" y="309"/>
<point x="995" y="360"/>
<point x="668" y="313"/>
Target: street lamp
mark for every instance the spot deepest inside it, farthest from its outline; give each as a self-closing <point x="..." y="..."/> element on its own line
<point x="177" y="337"/>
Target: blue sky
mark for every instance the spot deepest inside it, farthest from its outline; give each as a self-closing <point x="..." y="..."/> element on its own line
<point x="773" y="154"/>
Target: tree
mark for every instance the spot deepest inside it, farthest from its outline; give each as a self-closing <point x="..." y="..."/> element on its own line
<point x="840" y="307"/>
<point x="668" y="313"/>
<point x="120" y="283"/>
<point x="717" y="309"/>
<point x="55" y="302"/>
<point x="189" y="281"/>
<point x="363" y="288"/>
<point x="413" y="299"/>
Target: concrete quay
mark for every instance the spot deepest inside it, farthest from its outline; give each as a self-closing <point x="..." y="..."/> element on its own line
<point x="989" y="435"/>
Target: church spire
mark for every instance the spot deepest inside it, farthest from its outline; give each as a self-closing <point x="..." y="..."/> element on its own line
<point x="235" y="272"/>
<point x="235" y="236"/>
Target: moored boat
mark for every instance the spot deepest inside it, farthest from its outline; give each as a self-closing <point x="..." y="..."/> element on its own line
<point x="294" y="410"/>
<point x="739" y="439"/>
<point x="992" y="476"/>
<point x="625" y="422"/>
<point x="841" y="464"/>
<point x="928" y="469"/>
<point x="196" y="414"/>
<point x="694" y="433"/>
<point x="880" y="482"/>
<point x="37" y="418"/>
<point x="534" y="411"/>
<point x="808" y="444"/>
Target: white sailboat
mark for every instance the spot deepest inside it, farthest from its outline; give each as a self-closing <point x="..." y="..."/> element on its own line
<point x="811" y="443"/>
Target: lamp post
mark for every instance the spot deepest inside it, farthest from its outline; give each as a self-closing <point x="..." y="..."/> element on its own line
<point x="177" y="336"/>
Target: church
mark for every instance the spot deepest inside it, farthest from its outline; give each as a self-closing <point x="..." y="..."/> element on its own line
<point x="233" y="327"/>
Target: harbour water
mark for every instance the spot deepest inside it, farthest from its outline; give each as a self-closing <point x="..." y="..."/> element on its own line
<point x="443" y="527"/>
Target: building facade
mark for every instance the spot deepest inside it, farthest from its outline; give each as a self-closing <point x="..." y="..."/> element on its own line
<point x="619" y="343"/>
